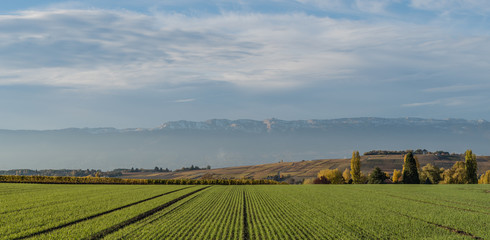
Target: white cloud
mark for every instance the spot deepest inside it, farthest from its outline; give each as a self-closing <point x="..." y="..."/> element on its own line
<point x="122" y="49"/>
<point x="420" y="104"/>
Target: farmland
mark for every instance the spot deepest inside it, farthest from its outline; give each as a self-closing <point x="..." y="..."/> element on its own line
<point x="65" y="211"/>
<point x="308" y="169"/>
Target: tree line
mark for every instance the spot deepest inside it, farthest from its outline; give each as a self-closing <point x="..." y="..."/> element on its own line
<point x="118" y="172"/>
<point x="418" y="151"/>
<point x="411" y="173"/>
<point x="106" y="180"/>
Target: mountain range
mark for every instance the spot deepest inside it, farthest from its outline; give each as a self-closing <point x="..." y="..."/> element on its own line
<point x="225" y="143"/>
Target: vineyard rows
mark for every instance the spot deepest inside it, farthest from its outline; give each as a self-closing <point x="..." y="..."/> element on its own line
<point x="40" y="211"/>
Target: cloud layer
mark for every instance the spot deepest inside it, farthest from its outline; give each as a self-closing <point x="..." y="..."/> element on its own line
<point x="368" y="50"/>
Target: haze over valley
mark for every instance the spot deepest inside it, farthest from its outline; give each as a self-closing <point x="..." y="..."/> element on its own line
<point x="226" y="143"/>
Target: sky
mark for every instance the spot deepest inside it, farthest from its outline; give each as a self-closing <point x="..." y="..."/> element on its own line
<point x="125" y="64"/>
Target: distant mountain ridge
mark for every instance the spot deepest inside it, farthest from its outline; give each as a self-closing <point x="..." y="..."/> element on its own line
<point x="227" y="143"/>
<point x="274" y="124"/>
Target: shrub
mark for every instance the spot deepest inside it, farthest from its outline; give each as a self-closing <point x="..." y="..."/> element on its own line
<point x="377" y="176"/>
<point x="331" y="175"/>
<point x="431" y="173"/>
<point x="485" y="178"/>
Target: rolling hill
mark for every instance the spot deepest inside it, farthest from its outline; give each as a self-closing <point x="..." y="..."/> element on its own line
<point x="308" y="169"/>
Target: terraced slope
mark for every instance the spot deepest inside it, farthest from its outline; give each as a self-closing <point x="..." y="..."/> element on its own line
<point x="308" y="169"/>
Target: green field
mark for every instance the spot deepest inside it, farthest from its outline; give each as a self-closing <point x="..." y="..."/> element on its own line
<point x="62" y="211"/>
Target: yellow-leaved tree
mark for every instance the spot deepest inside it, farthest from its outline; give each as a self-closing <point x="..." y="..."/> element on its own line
<point x="355" y="166"/>
<point x="456" y="174"/>
<point x="396" y="176"/>
<point x="470" y="166"/>
<point x="333" y="176"/>
<point x="485" y="178"/>
<point x="430" y="174"/>
<point x="346" y="175"/>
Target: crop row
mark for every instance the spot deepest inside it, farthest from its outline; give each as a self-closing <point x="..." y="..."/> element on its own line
<point x="96" y="227"/>
<point x="252" y="212"/>
<point x="216" y="213"/>
<point x="319" y="212"/>
<point x="37" y="208"/>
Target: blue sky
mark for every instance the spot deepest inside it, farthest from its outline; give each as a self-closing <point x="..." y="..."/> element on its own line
<point x="141" y="63"/>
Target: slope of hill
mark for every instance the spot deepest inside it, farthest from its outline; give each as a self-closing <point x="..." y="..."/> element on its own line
<point x="307" y="169"/>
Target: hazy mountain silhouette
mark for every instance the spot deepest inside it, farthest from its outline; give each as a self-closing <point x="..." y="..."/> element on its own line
<point x="222" y="142"/>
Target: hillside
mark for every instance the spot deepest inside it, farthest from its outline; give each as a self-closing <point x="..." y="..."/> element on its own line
<point x="307" y="169"/>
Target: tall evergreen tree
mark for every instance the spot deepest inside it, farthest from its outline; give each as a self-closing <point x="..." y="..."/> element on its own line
<point x="470" y="166"/>
<point x="355" y="166"/>
<point x="410" y="172"/>
<point x="377" y="176"/>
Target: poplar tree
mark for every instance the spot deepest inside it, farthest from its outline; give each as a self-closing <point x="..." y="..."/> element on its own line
<point x="470" y="166"/>
<point x="396" y="176"/>
<point x="410" y="172"/>
<point x="355" y="166"/>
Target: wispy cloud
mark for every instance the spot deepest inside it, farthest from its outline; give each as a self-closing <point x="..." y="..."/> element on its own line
<point x="245" y="59"/>
<point x="448" y="102"/>
<point x="351" y="6"/>
<point x="123" y="49"/>
<point x="454" y="6"/>
<point x="458" y="88"/>
<point x="186" y="100"/>
<point x="420" y="104"/>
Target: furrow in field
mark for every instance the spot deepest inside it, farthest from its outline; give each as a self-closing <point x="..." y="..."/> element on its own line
<point x="85" y="229"/>
<point x="206" y="217"/>
<point x="417" y="211"/>
<point x="141" y="216"/>
<point x="359" y="213"/>
<point x="245" y="233"/>
<point x="450" y="217"/>
<point x="460" y="232"/>
<point x="174" y="209"/>
<point x="436" y="202"/>
<point x="36" y="197"/>
<point x="142" y="230"/>
<point x="82" y="201"/>
<point x="465" y="196"/>
<point x="251" y="212"/>
<point x="95" y="215"/>
<point x="138" y="229"/>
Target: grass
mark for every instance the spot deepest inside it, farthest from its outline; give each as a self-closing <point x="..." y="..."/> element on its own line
<point x="30" y="208"/>
<point x="248" y="212"/>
